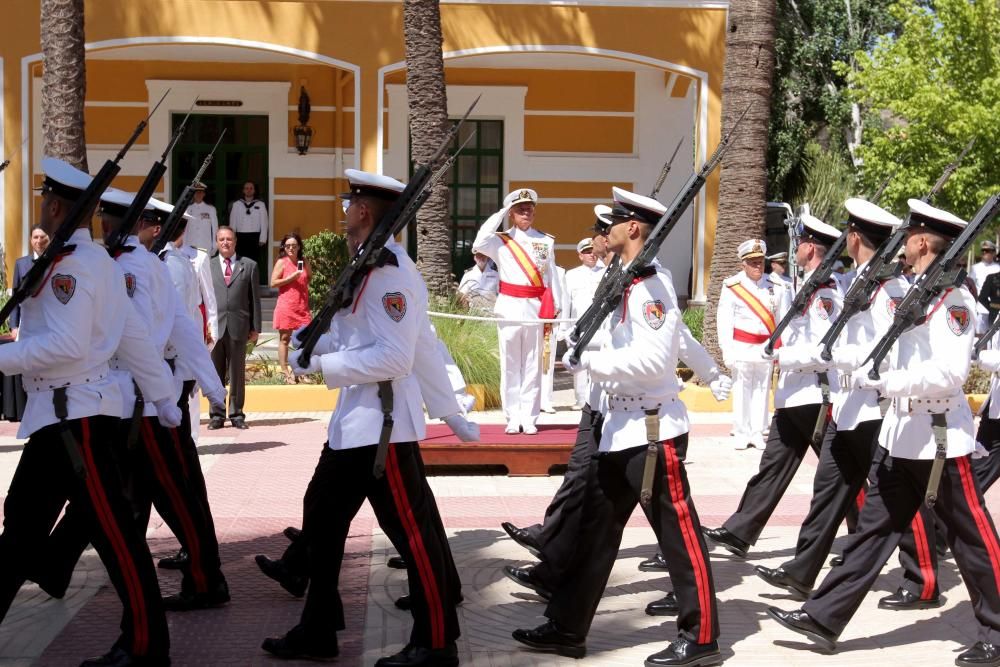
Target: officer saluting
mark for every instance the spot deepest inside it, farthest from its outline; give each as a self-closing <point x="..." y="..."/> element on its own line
<point x="635" y="368"/>
<point x="374" y="342"/>
<point x="746" y="317"/>
<point x="927" y="371"/>
<point x="70" y="328"/>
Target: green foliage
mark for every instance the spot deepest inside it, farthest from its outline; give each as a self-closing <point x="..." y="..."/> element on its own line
<point x="829" y="182"/>
<point x="327" y="254"/>
<point x="929" y="88"/>
<point x="815" y="45"/>
<point x="472" y="344"/>
<point x="694" y="318"/>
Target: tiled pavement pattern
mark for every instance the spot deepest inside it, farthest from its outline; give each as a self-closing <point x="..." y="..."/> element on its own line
<point x="256" y="479"/>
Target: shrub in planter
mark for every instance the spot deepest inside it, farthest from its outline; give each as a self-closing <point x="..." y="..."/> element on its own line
<point x="472" y="344"/>
<point x="327" y="254"/>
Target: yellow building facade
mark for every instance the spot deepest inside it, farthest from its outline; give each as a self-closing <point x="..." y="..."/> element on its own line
<point x="576" y="97"/>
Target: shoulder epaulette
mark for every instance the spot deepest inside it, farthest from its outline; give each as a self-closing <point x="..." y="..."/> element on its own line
<point x="204" y="250"/>
<point x="731" y="280"/>
<point x="505" y="233"/>
<point x="121" y="249"/>
<point x="647" y="271"/>
<point x="549" y="235"/>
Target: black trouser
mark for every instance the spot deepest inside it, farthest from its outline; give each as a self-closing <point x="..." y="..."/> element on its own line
<point x="614" y="483"/>
<point x="789" y="438"/>
<point x="296" y="555"/>
<point x="44" y="480"/>
<point x="189" y="449"/>
<point x="987" y="468"/>
<point x="230" y="359"/>
<point x="405" y="509"/>
<point x="897" y="489"/>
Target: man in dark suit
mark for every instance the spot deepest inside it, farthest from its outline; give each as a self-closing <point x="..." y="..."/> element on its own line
<point x="236" y="283"/>
<point x="14" y="398"/>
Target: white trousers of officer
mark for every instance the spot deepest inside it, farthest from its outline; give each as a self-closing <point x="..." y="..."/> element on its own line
<point x="520" y="372"/>
<point x="549" y="372"/>
<point x="194" y="408"/>
<point x="751" y="386"/>
<point x="581" y="388"/>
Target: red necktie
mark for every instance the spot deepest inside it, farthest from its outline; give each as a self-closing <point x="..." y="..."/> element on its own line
<point x="229" y="271"/>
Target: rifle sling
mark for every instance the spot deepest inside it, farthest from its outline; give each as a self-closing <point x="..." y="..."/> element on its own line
<point x="60" y="402"/>
<point x="649" y="467"/>
<point x="386" y="398"/>
<point x="939" y="425"/>
<point x="823" y="418"/>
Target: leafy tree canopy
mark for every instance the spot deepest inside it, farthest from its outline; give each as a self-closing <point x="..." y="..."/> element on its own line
<point x="927" y="89"/>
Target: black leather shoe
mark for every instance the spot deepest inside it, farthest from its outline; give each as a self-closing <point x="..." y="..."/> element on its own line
<point x="404" y="602"/>
<point x="904" y="600"/>
<point x="655" y="564"/>
<point x="666" y="606"/>
<point x="292" y="533"/>
<point x="836" y="561"/>
<point x="523" y="537"/>
<point x="526" y="577"/>
<point x="942" y="549"/>
<point x="980" y="654"/>
<point x="119" y="657"/>
<point x="800" y="622"/>
<point x="418" y="656"/>
<point x="396" y="563"/>
<point x="733" y="544"/>
<point x="296" y="645"/>
<point x="685" y="653"/>
<point x="548" y="637"/>
<point x="240" y="423"/>
<point x="186" y="601"/>
<point x="176" y="562"/>
<point x="215" y="423"/>
<point x="778" y="577"/>
<point x="275" y="569"/>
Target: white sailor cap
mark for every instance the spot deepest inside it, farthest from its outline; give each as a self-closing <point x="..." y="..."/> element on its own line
<point x="585" y="243"/>
<point x="933" y="219"/>
<point x="873" y="221"/>
<point x="116" y="202"/>
<point x="372" y="185"/>
<point x="988" y="245"/>
<point x="162" y="210"/>
<point x="630" y="205"/>
<point x="778" y="257"/>
<point x="63" y="179"/>
<point x="518" y="196"/>
<point x="811" y="226"/>
<point x="603" y="214"/>
<point x="198" y="186"/>
<point x="751" y="249"/>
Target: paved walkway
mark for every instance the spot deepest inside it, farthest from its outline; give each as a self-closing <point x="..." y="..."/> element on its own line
<point x="256" y="479"/>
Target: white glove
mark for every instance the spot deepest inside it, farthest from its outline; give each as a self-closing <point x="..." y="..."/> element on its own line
<point x="800" y="358"/>
<point x="720" y="387"/>
<point x="768" y="356"/>
<point x="217" y="399"/>
<point x="578" y="367"/>
<point x="989" y="360"/>
<point x="845" y="358"/>
<point x="167" y="413"/>
<point x="314" y="363"/>
<point x="860" y="380"/>
<point x="465" y="430"/>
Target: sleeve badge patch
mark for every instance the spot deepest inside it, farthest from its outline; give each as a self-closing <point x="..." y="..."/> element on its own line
<point x="824" y="307"/>
<point x="130" y="284"/>
<point x="655" y="313"/>
<point x="958" y="319"/>
<point x="395" y="305"/>
<point x="63" y="286"/>
<point x="892" y="303"/>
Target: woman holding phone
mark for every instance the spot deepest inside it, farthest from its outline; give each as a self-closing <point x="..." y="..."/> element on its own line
<point x="291" y="276"/>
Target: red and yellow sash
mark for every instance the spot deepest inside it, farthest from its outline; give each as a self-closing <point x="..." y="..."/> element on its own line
<point x="548" y="308"/>
<point x="756" y="307"/>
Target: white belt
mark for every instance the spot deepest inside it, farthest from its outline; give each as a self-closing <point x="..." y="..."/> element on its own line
<point x="37" y="384"/>
<point x="638" y="403"/>
<point x="927" y="406"/>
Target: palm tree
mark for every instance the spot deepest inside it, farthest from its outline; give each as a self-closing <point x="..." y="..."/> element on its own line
<point x="428" y="104"/>
<point x="64" y="81"/>
<point x="749" y="70"/>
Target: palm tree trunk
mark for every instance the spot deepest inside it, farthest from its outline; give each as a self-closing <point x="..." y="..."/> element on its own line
<point x="749" y="70"/>
<point x="64" y="81"/>
<point x="428" y="102"/>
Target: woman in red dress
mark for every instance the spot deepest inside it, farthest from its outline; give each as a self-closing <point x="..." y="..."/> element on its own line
<point x="291" y="276"/>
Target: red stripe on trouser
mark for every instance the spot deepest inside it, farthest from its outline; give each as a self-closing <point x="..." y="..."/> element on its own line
<point x="859" y="500"/>
<point x="105" y="517"/>
<point x="416" y="541"/>
<point x="691" y="543"/>
<point x="986" y="531"/>
<point x="923" y="556"/>
<point x="179" y="508"/>
<point x="180" y="454"/>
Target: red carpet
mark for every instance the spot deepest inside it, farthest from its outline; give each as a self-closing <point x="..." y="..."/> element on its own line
<point x="492" y="434"/>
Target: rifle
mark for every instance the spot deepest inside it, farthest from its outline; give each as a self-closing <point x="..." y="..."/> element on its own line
<point x="664" y="172"/>
<point x="985" y="339"/>
<point x="169" y="228"/>
<point x="942" y="273"/>
<point x="880" y="190"/>
<point x="371" y="252"/>
<point x="120" y="234"/>
<point x="882" y="266"/>
<point x="81" y="208"/>
<point x="612" y="287"/>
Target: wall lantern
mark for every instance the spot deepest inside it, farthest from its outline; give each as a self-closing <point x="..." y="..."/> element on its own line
<point x="303" y="133"/>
